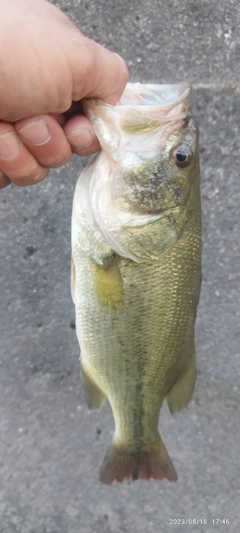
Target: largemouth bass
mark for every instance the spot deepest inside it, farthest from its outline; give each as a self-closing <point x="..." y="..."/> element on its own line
<point x="136" y="247"/>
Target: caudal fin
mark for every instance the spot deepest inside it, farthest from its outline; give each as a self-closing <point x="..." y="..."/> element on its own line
<point x="121" y="464"/>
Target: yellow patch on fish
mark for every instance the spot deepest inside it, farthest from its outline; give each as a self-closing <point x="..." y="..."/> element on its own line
<point x="108" y="283"/>
<point x="136" y="123"/>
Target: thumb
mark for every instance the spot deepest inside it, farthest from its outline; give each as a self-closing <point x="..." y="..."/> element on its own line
<point x="96" y="71"/>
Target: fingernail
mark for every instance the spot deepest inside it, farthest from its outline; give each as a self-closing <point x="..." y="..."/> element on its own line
<point x="35" y="133"/>
<point x="9" y="146"/>
<point x="81" y="138"/>
<point x="38" y="177"/>
<point x="120" y="57"/>
<point x="123" y="64"/>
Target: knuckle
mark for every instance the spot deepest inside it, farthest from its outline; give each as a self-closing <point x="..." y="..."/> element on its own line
<point x="10" y="146"/>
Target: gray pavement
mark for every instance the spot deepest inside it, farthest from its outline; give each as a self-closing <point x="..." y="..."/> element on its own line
<point x="51" y="447"/>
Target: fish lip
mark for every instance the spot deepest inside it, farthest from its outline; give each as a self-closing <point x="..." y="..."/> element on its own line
<point x="142" y="92"/>
<point x="134" y="99"/>
<point x="132" y="115"/>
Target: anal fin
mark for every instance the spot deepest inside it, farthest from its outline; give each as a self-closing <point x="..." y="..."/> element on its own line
<point x="182" y="390"/>
<point x="94" y="397"/>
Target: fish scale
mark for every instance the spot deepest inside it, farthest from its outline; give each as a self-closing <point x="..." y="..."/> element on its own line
<point x="135" y="318"/>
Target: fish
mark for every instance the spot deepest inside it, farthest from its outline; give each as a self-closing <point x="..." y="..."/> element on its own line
<point x="136" y="270"/>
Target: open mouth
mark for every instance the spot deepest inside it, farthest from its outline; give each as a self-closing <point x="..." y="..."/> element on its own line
<point x="164" y="96"/>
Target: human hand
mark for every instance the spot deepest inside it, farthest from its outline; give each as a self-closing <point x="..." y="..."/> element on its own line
<point x="46" y="67"/>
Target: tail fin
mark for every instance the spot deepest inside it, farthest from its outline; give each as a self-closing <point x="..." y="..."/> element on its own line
<point x="121" y="464"/>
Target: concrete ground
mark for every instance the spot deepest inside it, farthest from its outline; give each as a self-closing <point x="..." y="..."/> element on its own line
<point x="51" y="447"/>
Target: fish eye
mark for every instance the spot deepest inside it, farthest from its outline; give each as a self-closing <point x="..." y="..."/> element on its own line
<point x="183" y="155"/>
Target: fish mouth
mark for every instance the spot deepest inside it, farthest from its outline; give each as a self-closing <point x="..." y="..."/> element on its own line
<point x="136" y="128"/>
<point x="145" y="95"/>
<point x="143" y="98"/>
<point x="141" y="109"/>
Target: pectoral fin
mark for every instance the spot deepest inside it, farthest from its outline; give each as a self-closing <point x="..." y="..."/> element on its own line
<point x="94" y="397"/>
<point x="108" y="283"/>
<point x="182" y="390"/>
